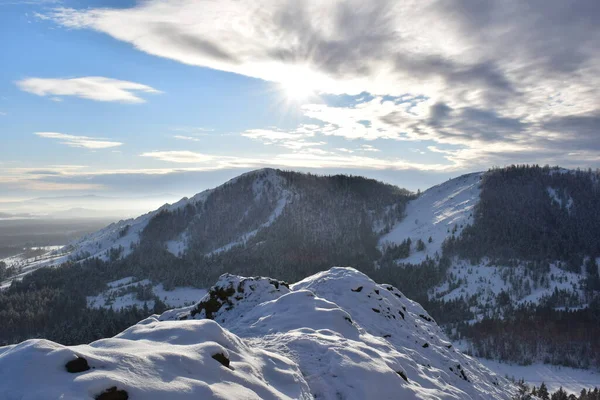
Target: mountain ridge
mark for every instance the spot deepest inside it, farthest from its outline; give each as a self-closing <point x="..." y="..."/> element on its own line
<point x="290" y="225"/>
<point x="320" y="338"/>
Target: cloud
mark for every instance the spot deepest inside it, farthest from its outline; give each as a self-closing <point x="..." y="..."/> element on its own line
<point x="91" y="87"/>
<point x="368" y="147"/>
<point x="294" y="139"/>
<point x="495" y="81"/>
<point x="190" y="138"/>
<point x="179" y="156"/>
<point x="79" y="141"/>
<point x="304" y="158"/>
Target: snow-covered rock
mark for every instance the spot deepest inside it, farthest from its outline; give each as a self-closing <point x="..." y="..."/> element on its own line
<point x="334" y="335"/>
<point x="352" y="338"/>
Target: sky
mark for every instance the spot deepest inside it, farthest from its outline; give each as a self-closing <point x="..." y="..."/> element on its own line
<point x="139" y="98"/>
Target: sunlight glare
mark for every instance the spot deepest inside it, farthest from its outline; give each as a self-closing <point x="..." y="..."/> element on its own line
<point x="297" y="90"/>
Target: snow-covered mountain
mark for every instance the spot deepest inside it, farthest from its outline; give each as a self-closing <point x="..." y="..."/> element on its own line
<point x="251" y="203"/>
<point x="333" y="335"/>
<point x="483" y="248"/>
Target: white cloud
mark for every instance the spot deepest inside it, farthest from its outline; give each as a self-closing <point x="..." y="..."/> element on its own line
<point x="294" y="139"/>
<point x="2" y="114"/>
<point x="274" y="135"/>
<point x="309" y="158"/>
<point x="368" y="147"/>
<point x="189" y="138"/>
<point x="179" y="156"/>
<point x="79" y="141"/>
<point x="91" y="87"/>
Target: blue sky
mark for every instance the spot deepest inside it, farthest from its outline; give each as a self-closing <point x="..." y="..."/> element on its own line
<point x="123" y="98"/>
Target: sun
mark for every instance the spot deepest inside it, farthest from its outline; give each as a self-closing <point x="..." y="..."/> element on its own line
<point x="297" y="90"/>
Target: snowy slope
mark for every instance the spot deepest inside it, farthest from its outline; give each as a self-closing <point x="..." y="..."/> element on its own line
<point x="121" y="294"/>
<point x="123" y="233"/>
<point x="127" y="232"/>
<point x="434" y="214"/>
<point x="335" y="335"/>
<point x="352" y="338"/>
<point x="486" y="280"/>
<point x="266" y="178"/>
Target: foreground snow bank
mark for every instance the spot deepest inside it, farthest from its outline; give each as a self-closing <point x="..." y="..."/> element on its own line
<point x="152" y="360"/>
<point x="334" y="335"/>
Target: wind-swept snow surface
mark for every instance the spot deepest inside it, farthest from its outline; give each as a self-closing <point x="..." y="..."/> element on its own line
<point x="437" y="213"/>
<point x="335" y="335"/>
<point x="152" y="360"/>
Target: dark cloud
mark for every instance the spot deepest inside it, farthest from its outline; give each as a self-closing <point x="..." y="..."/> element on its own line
<point x="481" y="75"/>
<point x="557" y="36"/>
<point x="579" y="132"/>
<point x="42" y="172"/>
<point x="193" y="44"/>
<point x="362" y="34"/>
<point x="464" y="124"/>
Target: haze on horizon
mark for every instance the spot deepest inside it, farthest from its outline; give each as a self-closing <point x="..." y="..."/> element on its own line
<point x="161" y="99"/>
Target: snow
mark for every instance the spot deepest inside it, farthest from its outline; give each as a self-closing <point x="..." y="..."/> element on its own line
<point x="152" y="360"/>
<point x="178" y="246"/>
<point x="571" y="380"/>
<point x="116" y="297"/>
<point x="125" y="233"/>
<point x="434" y="214"/>
<point x="486" y="280"/>
<point x="266" y="177"/>
<point x="26" y="267"/>
<point x="351" y="338"/>
<point x="556" y="198"/>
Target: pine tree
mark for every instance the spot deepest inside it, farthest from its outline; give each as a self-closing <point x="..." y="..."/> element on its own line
<point x="542" y="392"/>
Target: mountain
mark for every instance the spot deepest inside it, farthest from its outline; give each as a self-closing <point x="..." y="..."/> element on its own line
<point x="272" y="222"/>
<point x="333" y="335"/>
<point x="83" y="207"/>
<point x="515" y="260"/>
<point x="503" y="260"/>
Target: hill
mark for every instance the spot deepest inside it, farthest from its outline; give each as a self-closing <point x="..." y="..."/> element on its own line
<point x="334" y="335"/>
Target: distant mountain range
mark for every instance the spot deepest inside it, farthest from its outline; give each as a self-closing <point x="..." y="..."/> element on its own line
<point x="82" y="207"/>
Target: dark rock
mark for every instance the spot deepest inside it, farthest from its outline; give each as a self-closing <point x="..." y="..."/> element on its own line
<point x="426" y="345"/>
<point x="218" y="297"/>
<point x="426" y="318"/>
<point x="376" y="310"/>
<point x="113" y="394"/>
<point x="403" y="375"/>
<point x="77" y="365"/>
<point x="358" y="289"/>
<point x="220" y="357"/>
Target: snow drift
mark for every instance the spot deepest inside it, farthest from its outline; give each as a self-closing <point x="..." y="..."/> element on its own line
<point x="334" y="335"/>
